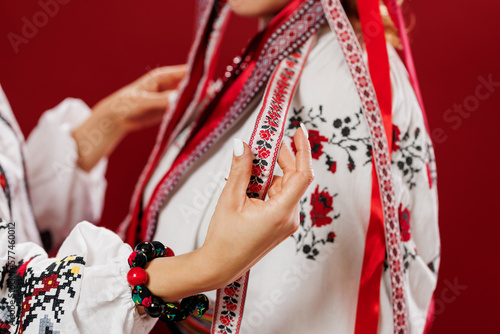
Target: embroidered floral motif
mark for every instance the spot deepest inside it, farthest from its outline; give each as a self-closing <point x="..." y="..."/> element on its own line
<point x="270" y="123"/>
<point x="412" y="156"/>
<point x="229" y="307"/>
<point x="3" y="181"/>
<point x="396" y="133"/>
<point x="310" y="237"/>
<point x="265" y="140"/>
<point x="316" y="140"/>
<point x="322" y="205"/>
<point x="404" y="223"/>
<point x="344" y="135"/>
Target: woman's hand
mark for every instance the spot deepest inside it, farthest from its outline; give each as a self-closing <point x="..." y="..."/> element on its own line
<point x="242" y="229"/>
<point x="143" y="102"/>
<point x="135" y="106"/>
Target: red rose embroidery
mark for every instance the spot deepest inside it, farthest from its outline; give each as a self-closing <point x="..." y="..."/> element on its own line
<point x="225" y="321"/>
<point x="229" y="291"/>
<point x="333" y="167"/>
<point x="404" y="223"/>
<point x="256" y="170"/>
<point x="255" y="188"/>
<point x="322" y="206"/>
<point x="395" y="138"/>
<point x="265" y="134"/>
<point x="3" y="181"/>
<point x="264" y="153"/>
<point x="316" y="141"/>
<point x="231" y="307"/>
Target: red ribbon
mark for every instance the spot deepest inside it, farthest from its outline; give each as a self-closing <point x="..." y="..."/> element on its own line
<point x="368" y="309"/>
<point x="209" y="118"/>
<point x="194" y="76"/>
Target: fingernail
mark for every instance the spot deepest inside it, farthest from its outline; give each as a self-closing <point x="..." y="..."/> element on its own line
<point x="238" y="147"/>
<point x="305" y="130"/>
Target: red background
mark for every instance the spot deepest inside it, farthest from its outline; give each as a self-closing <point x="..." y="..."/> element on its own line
<point x="90" y="48"/>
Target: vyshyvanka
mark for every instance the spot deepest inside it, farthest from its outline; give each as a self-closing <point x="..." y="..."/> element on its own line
<point x="366" y="255"/>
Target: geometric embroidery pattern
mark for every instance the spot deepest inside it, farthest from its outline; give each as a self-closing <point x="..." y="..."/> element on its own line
<point x="264" y="143"/>
<point x="5" y="318"/>
<point x="46" y="326"/>
<point x="43" y="293"/>
<point x="354" y="58"/>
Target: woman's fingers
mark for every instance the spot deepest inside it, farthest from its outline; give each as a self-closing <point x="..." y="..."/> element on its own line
<point x="157" y="100"/>
<point x="296" y="182"/>
<point x="275" y="186"/>
<point x="303" y="160"/>
<point x="170" y="76"/>
<point x="286" y="161"/>
<point x="163" y="78"/>
<point x="239" y="176"/>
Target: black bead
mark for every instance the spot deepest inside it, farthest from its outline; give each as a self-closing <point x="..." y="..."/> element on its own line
<point x="159" y="248"/>
<point x="156" y="309"/>
<point x="148" y="249"/>
<point x="140" y="260"/>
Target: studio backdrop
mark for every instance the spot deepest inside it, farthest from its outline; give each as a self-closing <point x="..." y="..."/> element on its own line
<point x="53" y="49"/>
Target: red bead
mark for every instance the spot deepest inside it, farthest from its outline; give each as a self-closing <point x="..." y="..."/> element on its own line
<point x="169" y="252"/>
<point x="137" y="276"/>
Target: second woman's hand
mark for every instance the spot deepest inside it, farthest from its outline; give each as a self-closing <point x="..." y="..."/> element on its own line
<point x="135" y="106"/>
<point x="242" y="229"/>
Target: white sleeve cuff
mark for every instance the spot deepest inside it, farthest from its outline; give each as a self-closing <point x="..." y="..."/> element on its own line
<point x="62" y="193"/>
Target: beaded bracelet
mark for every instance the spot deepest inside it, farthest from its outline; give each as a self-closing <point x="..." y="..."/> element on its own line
<point x="154" y="306"/>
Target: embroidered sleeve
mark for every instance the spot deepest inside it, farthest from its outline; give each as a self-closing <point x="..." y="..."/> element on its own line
<point x="82" y="290"/>
<point x="414" y="171"/>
